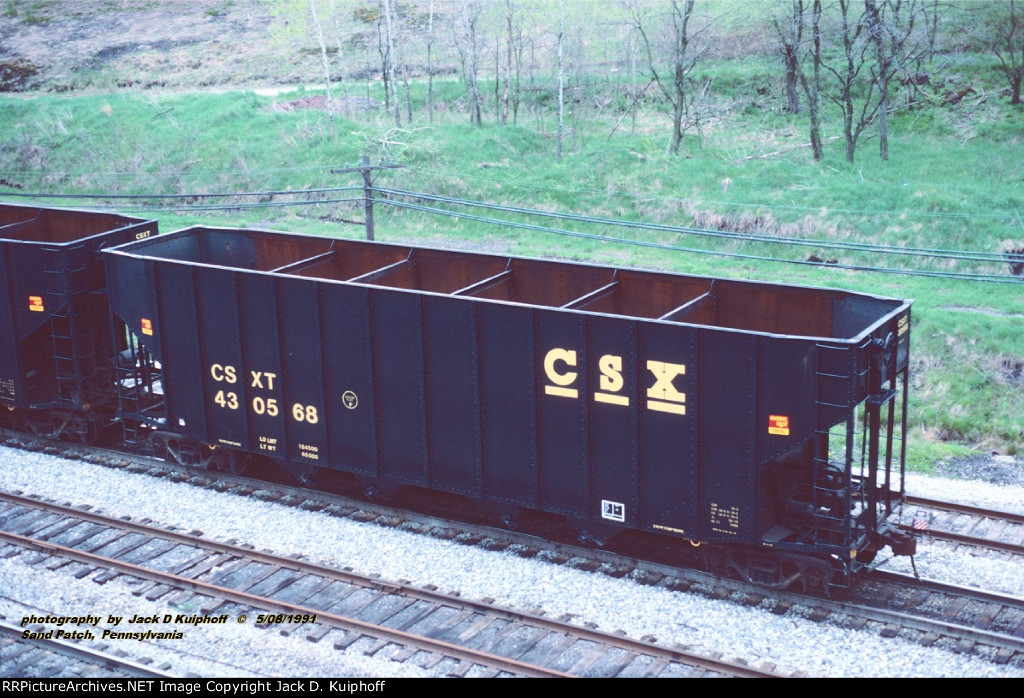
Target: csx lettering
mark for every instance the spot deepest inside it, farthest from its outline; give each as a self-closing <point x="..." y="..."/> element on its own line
<point x="225" y="374"/>
<point x="662" y="396"/>
<point x="560" y="380"/>
<point x="611" y="373"/>
<point x="611" y="380"/>
<point x="258" y="376"/>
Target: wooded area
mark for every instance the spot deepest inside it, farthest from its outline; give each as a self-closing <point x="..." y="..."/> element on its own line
<point x="868" y="58"/>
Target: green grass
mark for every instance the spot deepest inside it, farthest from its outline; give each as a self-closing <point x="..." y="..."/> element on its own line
<point x="950" y="182"/>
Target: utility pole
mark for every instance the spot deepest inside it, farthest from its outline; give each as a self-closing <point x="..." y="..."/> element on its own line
<point x="365" y="169"/>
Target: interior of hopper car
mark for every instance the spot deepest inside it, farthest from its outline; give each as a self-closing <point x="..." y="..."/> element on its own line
<point x="29" y="224"/>
<point x="738" y="305"/>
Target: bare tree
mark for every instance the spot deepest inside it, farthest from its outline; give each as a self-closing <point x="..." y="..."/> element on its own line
<point x="388" y="57"/>
<point x="1008" y="45"/>
<point x="519" y="38"/>
<point x="682" y="94"/>
<point x="890" y="26"/>
<point x="561" y="73"/>
<point x="789" y="30"/>
<point x="875" y="46"/>
<point x="465" y="32"/>
<point x="812" y="87"/>
<point x="430" y="64"/>
<point x="510" y="42"/>
<point x="325" y="63"/>
<point x="851" y="62"/>
<point x="346" y="103"/>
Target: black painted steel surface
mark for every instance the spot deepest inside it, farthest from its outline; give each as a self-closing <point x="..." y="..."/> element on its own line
<point x="55" y="343"/>
<point x="709" y="409"/>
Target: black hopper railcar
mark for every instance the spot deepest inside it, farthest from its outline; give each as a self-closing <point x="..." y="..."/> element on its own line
<point x="760" y="423"/>
<point x="55" y="343"/>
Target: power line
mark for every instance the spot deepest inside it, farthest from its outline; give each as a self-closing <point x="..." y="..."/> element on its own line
<point x="136" y="175"/>
<point x="232" y="207"/>
<point x="741" y="204"/>
<point x="284" y="192"/>
<point x="958" y="255"/>
<point x="737" y="255"/>
<point x="961" y="255"/>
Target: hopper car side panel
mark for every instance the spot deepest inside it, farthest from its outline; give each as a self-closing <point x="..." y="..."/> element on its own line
<point x="349" y="369"/>
<point x="452" y="389"/>
<point x="511" y="470"/>
<point x="173" y="329"/>
<point x="261" y="379"/>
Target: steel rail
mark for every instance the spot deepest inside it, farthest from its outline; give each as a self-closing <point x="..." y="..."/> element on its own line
<point x="1012" y="517"/>
<point x="78" y="651"/>
<point x="307" y="567"/>
<point x="220" y="592"/>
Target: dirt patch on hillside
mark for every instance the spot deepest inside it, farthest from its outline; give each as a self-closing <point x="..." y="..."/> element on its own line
<point x="61" y="45"/>
<point x="338" y="106"/>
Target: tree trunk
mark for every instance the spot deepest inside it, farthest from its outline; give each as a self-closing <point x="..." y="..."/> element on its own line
<point x="466" y="43"/>
<point x="508" y="62"/>
<point x="873" y="22"/>
<point x="561" y="74"/>
<point x="792" y="96"/>
<point x="430" y="65"/>
<point x="677" y="128"/>
<point x="390" y="68"/>
<point x="634" y="97"/>
<point x="347" y="104"/>
<point x="385" y="72"/>
<point x="847" y="79"/>
<point x="326" y="65"/>
<point x="789" y="44"/>
<point x="814" y="96"/>
<point x="1012" y="64"/>
<point x="679" y="73"/>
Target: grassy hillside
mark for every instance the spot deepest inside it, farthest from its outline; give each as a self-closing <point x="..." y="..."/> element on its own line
<point x="952" y="182"/>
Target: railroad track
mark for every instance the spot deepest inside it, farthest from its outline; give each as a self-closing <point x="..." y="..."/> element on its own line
<point x="878" y="607"/>
<point x="316" y="601"/>
<point x="44" y="658"/>
<point x="972" y="619"/>
<point x="978" y="527"/>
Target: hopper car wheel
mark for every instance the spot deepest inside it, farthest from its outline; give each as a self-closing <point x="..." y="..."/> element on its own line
<point x="816" y="579"/>
<point x="158" y="448"/>
<point x="716" y="561"/>
<point x="89" y="428"/>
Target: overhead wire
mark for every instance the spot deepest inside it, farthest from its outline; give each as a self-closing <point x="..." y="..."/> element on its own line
<point x="740" y="204"/>
<point x="719" y="253"/>
<point x="232" y="207"/>
<point x="956" y="255"/>
<point x="281" y="192"/>
<point x="746" y="237"/>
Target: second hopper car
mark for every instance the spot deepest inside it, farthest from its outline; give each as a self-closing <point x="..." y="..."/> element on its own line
<point x="55" y="343"/>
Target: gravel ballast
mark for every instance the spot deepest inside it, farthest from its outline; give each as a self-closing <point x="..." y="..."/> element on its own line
<point x="753" y="634"/>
